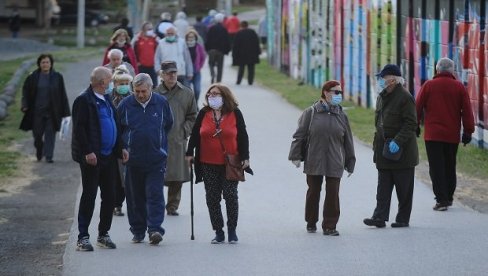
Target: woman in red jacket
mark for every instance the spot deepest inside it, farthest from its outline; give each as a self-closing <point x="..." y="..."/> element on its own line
<point x="145" y="44"/>
<point x="121" y="40"/>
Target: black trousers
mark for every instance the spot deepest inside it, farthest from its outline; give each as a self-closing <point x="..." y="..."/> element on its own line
<point x="250" y="73"/>
<point x="151" y="72"/>
<point x="442" y="169"/>
<point x="120" y="184"/>
<point x="44" y="135"/>
<point x="102" y="175"/>
<point x="402" y="180"/>
<point x="215" y="59"/>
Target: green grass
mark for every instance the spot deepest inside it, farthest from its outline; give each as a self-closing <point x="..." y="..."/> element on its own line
<point x="66" y="36"/>
<point x="472" y="161"/>
<point x="9" y="127"/>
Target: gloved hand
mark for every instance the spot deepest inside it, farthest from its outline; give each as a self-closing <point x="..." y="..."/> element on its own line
<point x="466" y="139"/>
<point x="296" y="163"/>
<point x="417" y="132"/>
<point x="394" y="146"/>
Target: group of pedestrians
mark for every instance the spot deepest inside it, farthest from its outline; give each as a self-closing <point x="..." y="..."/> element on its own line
<point x="135" y="132"/>
<point x="323" y="140"/>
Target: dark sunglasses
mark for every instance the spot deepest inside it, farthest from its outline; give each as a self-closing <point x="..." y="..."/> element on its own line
<point x="337" y="92"/>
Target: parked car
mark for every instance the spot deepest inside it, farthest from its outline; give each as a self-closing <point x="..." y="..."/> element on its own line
<point x="69" y="15"/>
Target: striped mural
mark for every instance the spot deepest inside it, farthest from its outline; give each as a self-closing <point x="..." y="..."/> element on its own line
<point x="351" y="40"/>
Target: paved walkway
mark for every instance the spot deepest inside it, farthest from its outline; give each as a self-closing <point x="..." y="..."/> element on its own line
<point x="271" y="228"/>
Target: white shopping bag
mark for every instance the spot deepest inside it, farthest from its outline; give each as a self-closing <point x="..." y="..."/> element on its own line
<point x="63" y="131"/>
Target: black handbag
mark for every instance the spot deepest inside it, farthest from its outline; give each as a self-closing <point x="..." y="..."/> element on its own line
<point x="304" y="145"/>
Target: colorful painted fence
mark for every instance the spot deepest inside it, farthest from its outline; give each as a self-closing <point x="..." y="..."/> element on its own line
<point x="350" y="40"/>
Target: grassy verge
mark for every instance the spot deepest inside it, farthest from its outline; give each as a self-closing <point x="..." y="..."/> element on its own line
<point x="9" y="128"/>
<point x="472" y="161"/>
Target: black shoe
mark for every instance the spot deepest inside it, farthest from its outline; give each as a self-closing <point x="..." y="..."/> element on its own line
<point x="104" y="241"/>
<point x="118" y="212"/>
<point x="138" y="238"/>
<point x="155" y="238"/>
<point x="449" y="203"/>
<point x="233" y="236"/>
<point x="399" y="224"/>
<point x="374" y="222"/>
<point x="331" y="232"/>
<point x="173" y="213"/>
<point x="84" y="244"/>
<point x="39" y="154"/>
<point x="50" y="160"/>
<point x="440" y="207"/>
<point x="219" y="237"/>
<point x="311" y="228"/>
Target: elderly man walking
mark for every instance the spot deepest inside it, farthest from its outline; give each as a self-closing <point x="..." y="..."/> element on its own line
<point x="217" y="45"/>
<point x="184" y="107"/>
<point x="115" y="59"/>
<point x="395" y="148"/>
<point x="96" y="146"/>
<point x="173" y="48"/>
<point x="443" y="104"/>
<point x="146" y="120"/>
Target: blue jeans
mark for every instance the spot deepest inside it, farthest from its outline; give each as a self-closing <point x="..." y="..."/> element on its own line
<point x="197" y="84"/>
<point x="145" y="198"/>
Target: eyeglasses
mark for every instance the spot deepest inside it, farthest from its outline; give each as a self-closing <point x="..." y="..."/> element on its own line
<point x="337" y="92"/>
<point x="213" y="93"/>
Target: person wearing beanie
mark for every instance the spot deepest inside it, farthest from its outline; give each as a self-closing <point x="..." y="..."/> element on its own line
<point x="395" y="148"/>
<point x="323" y="140"/>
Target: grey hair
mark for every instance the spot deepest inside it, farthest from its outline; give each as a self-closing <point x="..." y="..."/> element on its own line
<point x="445" y="65"/>
<point x="142" y="79"/>
<point x="99" y="74"/>
<point x="219" y="18"/>
<point x="398" y="79"/>
<point x="166" y="16"/>
<point x="115" y="52"/>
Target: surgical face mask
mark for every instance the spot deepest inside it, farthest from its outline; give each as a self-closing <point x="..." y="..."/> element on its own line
<point x="123" y="89"/>
<point x="215" y="102"/>
<point x="170" y="38"/>
<point x="149" y="33"/>
<point x="336" y="99"/>
<point x="110" y="87"/>
<point x="121" y="42"/>
<point x="191" y="42"/>
<point x="381" y="85"/>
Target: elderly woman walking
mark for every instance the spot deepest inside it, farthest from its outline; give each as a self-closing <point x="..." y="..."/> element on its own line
<point x="324" y="141"/>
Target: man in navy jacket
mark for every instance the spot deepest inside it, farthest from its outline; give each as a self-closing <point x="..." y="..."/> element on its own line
<point x="96" y="146"/>
<point x="146" y="119"/>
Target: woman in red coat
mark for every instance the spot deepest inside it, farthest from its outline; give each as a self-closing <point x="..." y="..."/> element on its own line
<point x="121" y="40"/>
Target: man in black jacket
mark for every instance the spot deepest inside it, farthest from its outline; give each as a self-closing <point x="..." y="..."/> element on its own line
<point x="245" y="52"/>
<point x="217" y="45"/>
<point x="96" y="146"/>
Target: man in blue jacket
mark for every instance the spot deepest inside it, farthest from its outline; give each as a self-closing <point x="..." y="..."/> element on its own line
<point x="146" y="119"/>
<point x="96" y="147"/>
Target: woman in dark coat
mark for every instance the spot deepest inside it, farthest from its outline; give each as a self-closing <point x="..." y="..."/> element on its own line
<point x="246" y="51"/>
<point x="44" y="103"/>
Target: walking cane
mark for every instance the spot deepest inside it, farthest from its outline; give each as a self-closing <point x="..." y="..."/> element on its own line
<point x="191" y="199"/>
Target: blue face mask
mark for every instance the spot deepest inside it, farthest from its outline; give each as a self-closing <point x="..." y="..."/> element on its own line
<point x="123" y="89"/>
<point x="381" y="84"/>
<point x="109" y="88"/>
<point x="336" y="99"/>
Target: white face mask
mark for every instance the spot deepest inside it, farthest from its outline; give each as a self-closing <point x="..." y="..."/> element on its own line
<point x="121" y="42"/>
<point x="150" y="33"/>
<point x="215" y="102"/>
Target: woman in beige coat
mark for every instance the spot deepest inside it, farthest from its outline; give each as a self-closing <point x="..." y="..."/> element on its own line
<point x="323" y="140"/>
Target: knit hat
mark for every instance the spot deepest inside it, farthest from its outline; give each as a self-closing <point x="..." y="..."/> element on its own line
<point x="390" y="70"/>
